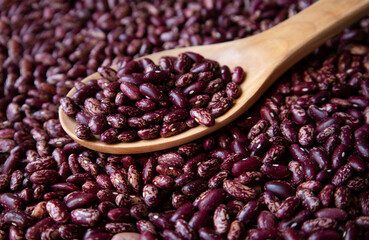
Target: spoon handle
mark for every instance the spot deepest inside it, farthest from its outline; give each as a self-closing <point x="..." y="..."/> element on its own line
<point x="293" y="39"/>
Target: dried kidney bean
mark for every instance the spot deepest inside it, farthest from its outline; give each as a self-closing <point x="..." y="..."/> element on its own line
<point x="85" y="217"/>
<point x="34" y="232"/>
<point x="317" y="224"/>
<point x="279" y="188"/>
<point x="238" y="190"/>
<point x="308" y="199"/>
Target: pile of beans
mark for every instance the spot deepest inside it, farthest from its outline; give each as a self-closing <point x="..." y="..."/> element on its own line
<point x="295" y="166"/>
<point x="143" y="100"/>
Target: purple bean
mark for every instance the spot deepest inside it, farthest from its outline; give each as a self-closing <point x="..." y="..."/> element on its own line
<point x="151" y="92"/>
<point x="208" y="168"/>
<point x="184" y="230"/>
<point x="202" y="116"/>
<point x="238" y="190"/>
<point x="290" y="234"/>
<point x="342" y="197"/>
<point x="279" y="188"/>
<point x="342" y="175"/>
<point x="310" y="202"/>
<point x="220" y="107"/>
<point x="151" y="195"/>
<point x="34" y="232"/>
<point x="299" y="115"/>
<point x="85" y="217"/>
<point x="221" y="219"/>
<point x="258" y="234"/>
<point x="339" y="156"/>
<point x="119" y="214"/>
<point x="251" y="178"/>
<point x="195" y="187"/>
<point x="116" y="120"/>
<point x="149" y="132"/>
<point x="171" y="159"/>
<point x="275" y="171"/>
<point x="183" y="212"/>
<point x="287" y="207"/>
<point x="17" y="218"/>
<point x="145" y="226"/>
<point x="217" y="180"/>
<point x="163" y="182"/>
<point x="207" y="234"/>
<point x="199" y="101"/>
<point x="130" y="90"/>
<point x="274" y="154"/>
<point x="199" y="219"/>
<point x="168" y="171"/>
<point x="160" y="221"/>
<point x="97" y="124"/>
<point x="317" y="224"/>
<point x="288" y="130"/>
<point x="127" y="136"/>
<point x="78" y="199"/>
<point x="212" y="200"/>
<point x="137" y="122"/>
<point x="334" y="213"/>
<point x="58" y="211"/>
<point x="320" y="157"/>
<point x="68" y="106"/>
<point x="233" y="90"/>
<point x="248" y="164"/>
<point x="178" y="98"/>
<point x="309" y="168"/>
<point x="109" y="136"/>
<point x="266" y="220"/>
<point x="316" y="113"/>
<point x="130" y="111"/>
<point x="185" y="79"/>
<point x="363" y="202"/>
<point x="93" y="106"/>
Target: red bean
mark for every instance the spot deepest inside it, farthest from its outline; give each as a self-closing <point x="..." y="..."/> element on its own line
<point x="85" y="217"/>
<point x="339" y="156"/>
<point x="238" y="190"/>
<point x="182" y="227"/>
<point x="217" y="180"/>
<point x="221" y="106"/>
<point x="34" y="232"/>
<point x="258" y="234"/>
<point x="317" y="224"/>
<point x="266" y="220"/>
<point x="183" y="212"/>
<point x="207" y="234"/>
<point x="175" y="115"/>
<point x="320" y="157"/>
<point x="335" y="213"/>
<point x="195" y="187"/>
<point x="78" y="199"/>
<point x="279" y="188"/>
<point x="151" y="195"/>
<point x="275" y="171"/>
<point x="119" y="214"/>
<point x="178" y="98"/>
<point x="212" y="200"/>
<point x="308" y="199"/>
<point x="58" y="211"/>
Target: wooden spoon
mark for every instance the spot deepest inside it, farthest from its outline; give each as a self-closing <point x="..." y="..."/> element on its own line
<point x="265" y="57"/>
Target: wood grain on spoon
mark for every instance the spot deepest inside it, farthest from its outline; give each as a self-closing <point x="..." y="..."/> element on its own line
<point x="264" y="57"/>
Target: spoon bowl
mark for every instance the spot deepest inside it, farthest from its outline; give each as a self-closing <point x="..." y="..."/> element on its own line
<point x="265" y="57"/>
